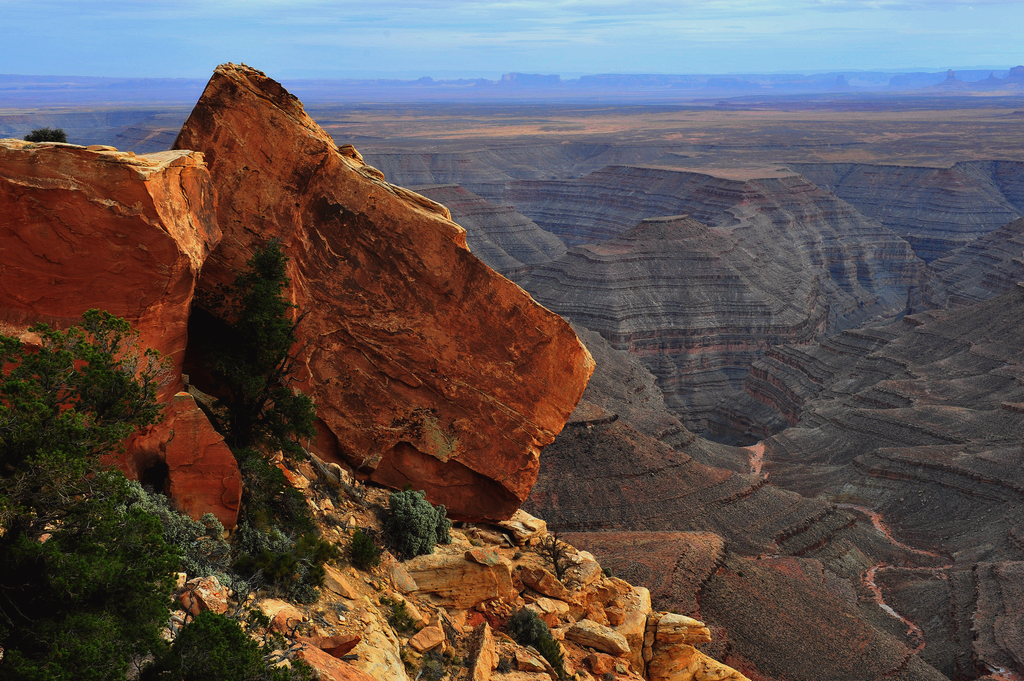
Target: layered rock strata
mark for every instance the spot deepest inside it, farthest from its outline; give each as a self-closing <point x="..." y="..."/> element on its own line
<point x="506" y="241"/>
<point x="698" y="303"/>
<point x="93" y="227"/>
<point x="986" y="267"/>
<point x="425" y="365"/>
<point x="935" y="209"/>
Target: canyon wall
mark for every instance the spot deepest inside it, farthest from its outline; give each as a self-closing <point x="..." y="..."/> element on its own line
<point x="505" y="240"/>
<point x="698" y="298"/>
<point x="935" y="209"/>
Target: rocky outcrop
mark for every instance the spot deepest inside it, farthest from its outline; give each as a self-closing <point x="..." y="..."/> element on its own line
<point x="93" y="227"/>
<point x="201" y="473"/>
<point x="425" y="365"/>
<point x="506" y="241"/>
<point x="935" y="209"/>
<point x="778" y="261"/>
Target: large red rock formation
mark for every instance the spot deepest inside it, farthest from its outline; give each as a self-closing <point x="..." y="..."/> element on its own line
<point x="426" y="366"/>
<point x="92" y="227"/>
<point x="98" y="228"/>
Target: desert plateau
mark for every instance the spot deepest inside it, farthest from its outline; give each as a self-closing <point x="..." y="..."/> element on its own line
<point x="718" y="386"/>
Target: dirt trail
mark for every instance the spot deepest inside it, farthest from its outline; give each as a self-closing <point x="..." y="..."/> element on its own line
<point x="756" y="458"/>
<point x="913" y="630"/>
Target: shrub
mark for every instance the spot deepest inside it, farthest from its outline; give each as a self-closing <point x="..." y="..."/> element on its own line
<point x="529" y="630"/>
<point x="215" y="648"/>
<point x="364" y="551"/>
<point x="292" y="569"/>
<point x="415" y="526"/>
<point x="251" y="356"/>
<point x="399" y="617"/>
<point x="46" y="135"/>
<point x="556" y="552"/>
<point x="200" y="542"/>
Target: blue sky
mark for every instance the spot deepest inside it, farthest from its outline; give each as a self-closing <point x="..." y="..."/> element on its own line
<point x="452" y="38"/>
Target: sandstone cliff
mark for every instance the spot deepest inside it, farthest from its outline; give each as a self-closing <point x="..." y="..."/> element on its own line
<point x="414" y="350"/>
<point x="986" y="267"/>
<point x="92" y="227"/>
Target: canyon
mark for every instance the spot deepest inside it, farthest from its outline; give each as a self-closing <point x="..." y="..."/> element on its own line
<point x="804" y="423"/>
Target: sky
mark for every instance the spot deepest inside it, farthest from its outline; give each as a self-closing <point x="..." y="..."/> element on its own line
<point x="479" y="38"/>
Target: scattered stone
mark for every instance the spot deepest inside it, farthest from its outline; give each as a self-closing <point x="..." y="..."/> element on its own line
<point x="483" y="656"/>
<point x="336" y="646"/>
<point x="524" y="526"/>
<point x="284" y="616"/>
<point x="486" y="556"/>
<point x="599" y="663"/>
<point x="459" y="583"/>
<point x="329" y="668"/>
<point x="542" y="581"/>
<point x="204" y="593"/>
<point x="427" y="638"/>
<point x="590" y="634"/>
<point x="336" y="582"/>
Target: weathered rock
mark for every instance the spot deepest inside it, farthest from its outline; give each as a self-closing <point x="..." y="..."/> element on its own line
<point x="528" y="662"/>
<point x="543" y="582"/>
<point x="400" y="577"/>
<point x="204" y="593"/>
<point x="674" y="628"/>
<point x="284" y="616"/>
<point x="524" y="526"/>
<point x="427" y="638"/>
<point x="599" y="637"/>
<point x="379" y="654"/>
<point x="329" y="668"/>
<point x="335" y="646"/>
<point x="425" y="365"/>
<point x="552" y="611"/>
<point x="686" y="663"/>
<point x="202" y="474"/>
<point x="98" y="228"/>
<point x="104" y="229"/>
<point x="483" y="656"/>
<point x="459" y="583"/>
<point x="338" y="583"/>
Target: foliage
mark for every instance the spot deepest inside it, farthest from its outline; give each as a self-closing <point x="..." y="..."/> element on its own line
<point x="415" y="526"/>
<point x="399" y="617"/>
<point x="292" y="569"/>
<point x="47" y="135"/>
<point x="433" y="667"/>
<point x="63" y="405"/>
<point x="200" y="542"/>
<point x="90" y="598"/>
<point x="529" y="630"/>
<point x="363" y="551"/>
<point x="215" y="648"/>
<point x="252" y="358"/>
<point x="556" y="552"/>
<point x="84" y="578"/>
<point x="268" y="500"/>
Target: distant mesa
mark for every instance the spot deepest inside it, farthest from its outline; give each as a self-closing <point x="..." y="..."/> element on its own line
<point x="535" y="80"/>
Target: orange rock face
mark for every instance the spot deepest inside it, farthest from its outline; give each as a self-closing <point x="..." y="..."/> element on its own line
<point x="202" y="475"/>
<point x="426" y="366"/>
<point x="97" y="228"/>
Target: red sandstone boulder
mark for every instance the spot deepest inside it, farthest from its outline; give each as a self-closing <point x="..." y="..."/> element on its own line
<point x="93" y="227"/>
<point x="426" y="366"/>
<point x="202" y="475"/>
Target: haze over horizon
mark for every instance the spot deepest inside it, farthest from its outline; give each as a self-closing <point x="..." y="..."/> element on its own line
<point x="480" y="38"/>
